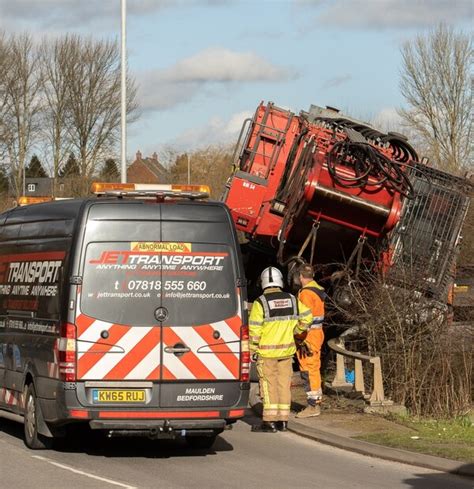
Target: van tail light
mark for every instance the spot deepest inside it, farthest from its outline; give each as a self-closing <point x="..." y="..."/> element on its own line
<point x="244" y="354"/>
<point x="67" y="353"/>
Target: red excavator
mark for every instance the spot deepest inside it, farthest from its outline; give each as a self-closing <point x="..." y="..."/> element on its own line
<point x="336" y="192"/>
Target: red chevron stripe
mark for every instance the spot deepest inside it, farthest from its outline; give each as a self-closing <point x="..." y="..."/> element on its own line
<point x="190" y="360"/>
<point x="135" y="355"/>
<point x="100" y="348"/>
<point x="220" y="349"/>
<point x="235" y="323"/>
<point x="167" y="375"/>
<point x="83" y="323"/>
<point x="154" y="374"/>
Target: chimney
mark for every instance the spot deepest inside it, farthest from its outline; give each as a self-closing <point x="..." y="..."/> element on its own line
<point x="138" y="156"/>
<point x="154" y="156"/>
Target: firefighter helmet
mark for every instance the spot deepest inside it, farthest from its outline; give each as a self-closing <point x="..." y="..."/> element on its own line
<point x="271" y="277"/>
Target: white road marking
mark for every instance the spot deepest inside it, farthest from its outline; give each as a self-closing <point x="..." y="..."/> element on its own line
<point x="76" y="471"/>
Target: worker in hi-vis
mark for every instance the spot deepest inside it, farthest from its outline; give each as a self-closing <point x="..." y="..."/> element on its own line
<point x="309" y="344"/>
<point x="275" y="318"/>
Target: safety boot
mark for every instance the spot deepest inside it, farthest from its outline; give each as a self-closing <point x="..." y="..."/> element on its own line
<point x="309" y="412"/>
<point x="265" y="427"/>
<point x="282" y="425"/>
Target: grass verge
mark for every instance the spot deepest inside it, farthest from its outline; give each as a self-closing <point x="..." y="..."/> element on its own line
<point x="453" y="439"/>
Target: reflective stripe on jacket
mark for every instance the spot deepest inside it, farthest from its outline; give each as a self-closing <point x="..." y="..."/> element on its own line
<point x="313" y="295"/>
<point x="275" y="318"/>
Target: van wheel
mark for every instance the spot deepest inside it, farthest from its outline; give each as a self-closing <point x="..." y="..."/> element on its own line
<point x="33" y="439"/>
<point x="201" y="441"/>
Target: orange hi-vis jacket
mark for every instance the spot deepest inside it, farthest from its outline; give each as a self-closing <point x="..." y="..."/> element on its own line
<point x="313" y="295"/>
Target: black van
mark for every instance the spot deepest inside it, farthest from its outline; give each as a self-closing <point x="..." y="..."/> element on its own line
<point x="126" y="314"/>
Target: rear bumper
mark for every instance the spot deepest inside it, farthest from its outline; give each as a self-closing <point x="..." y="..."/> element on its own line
<point x="176" y="425"/>
<point x="69" y="407"/>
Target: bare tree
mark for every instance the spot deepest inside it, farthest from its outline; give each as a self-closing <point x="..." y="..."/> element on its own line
<point x="93" y="93"/>
<point x="211" y="165"/>
<point x="22" y="99"/>
<point x="4" y="57"/>
<point x="428" y="365"/>
<point x="437" y="86"/>
<point x="55" y="57"/>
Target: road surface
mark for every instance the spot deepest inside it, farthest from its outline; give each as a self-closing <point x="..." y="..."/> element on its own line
<point x="239" y="459"/>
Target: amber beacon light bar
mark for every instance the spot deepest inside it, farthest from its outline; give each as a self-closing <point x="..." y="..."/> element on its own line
<point x="151" y="190"/>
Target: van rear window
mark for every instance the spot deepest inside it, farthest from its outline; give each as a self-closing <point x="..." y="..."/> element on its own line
<point x="125" y="283"/>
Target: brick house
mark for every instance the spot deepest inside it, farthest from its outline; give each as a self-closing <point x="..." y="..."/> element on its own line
<point x="147" y="170"/>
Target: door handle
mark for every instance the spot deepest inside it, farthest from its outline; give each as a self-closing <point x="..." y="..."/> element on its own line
<point x="178" y="349"/>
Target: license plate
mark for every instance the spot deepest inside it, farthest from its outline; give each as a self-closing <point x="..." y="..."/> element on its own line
<point x="113" y="395"/>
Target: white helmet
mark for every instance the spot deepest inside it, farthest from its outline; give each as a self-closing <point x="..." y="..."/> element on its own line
<point x="271" y="277"/>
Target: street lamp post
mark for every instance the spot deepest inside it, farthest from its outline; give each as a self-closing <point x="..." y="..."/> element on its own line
<point x="123" y="86"/>
<point x="23" y="177"/>
<point x="189" y="169"/>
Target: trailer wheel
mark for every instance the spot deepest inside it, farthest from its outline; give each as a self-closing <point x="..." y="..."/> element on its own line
<point x="201" y="442"/>
<point x="33" y="439"/>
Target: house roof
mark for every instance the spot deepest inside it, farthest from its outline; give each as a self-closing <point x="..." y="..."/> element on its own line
<point x="146" y="170"/>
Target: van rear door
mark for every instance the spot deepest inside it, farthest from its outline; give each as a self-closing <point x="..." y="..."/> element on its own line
<point x="118" y="336"/>
<point x="202" y="306"/>
<point x="201" y="326"/>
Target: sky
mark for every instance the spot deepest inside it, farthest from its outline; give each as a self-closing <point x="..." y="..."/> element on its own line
<point x="203" y="66"/>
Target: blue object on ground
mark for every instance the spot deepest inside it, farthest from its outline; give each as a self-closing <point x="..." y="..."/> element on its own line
<point x="350" y="376"/>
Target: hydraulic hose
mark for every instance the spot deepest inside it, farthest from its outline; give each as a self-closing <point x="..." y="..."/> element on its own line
<point x="366" y="161"/>
<point x="294" y="192"/>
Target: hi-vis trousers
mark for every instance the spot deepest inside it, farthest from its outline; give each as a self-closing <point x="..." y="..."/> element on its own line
<point x="275" y="387"/>
<point x="310" y="367"/>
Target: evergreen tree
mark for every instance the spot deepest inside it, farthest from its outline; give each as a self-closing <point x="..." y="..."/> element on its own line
<point x="35" y="169"/>
<point x="109" y="171"/>
<point x="179" y="169"/>
<point x="71" y="168"/>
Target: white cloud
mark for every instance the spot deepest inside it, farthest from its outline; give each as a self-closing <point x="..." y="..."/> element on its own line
<point x="400" y="14"/>
<point x="372" y="14"/>
<point x="65" y="14"/>
<point x="74" y="13"/>
<point x="165" y="88"/>
<point x="216" y="131"/>
<point x="223" y="65"/>
<point x="156" y="94"/>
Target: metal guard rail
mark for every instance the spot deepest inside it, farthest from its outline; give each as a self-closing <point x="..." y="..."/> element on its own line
<point x="377" y="397"/>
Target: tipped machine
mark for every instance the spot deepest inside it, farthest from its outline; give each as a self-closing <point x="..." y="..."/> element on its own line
<point x="328" y="189"/>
